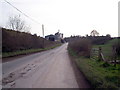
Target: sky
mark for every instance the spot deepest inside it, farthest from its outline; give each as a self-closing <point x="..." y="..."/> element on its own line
<point x="71" y="17"/>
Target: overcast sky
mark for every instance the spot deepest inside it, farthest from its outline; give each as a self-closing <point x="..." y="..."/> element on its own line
<point x="72" y="17"/>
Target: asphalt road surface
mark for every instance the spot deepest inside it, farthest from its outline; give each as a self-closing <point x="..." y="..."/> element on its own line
<point x="48" y="69"/>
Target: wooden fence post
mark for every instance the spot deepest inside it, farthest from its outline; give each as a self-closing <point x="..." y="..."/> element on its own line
<point x="100" y="50"/>
<point x="114" y="55"/>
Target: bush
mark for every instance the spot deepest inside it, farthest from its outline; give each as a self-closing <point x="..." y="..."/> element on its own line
<point x="82" y="47"/>
<point x="15" y="41"/>
<point x="116" y="45"/>
<point x="98" y="40"/>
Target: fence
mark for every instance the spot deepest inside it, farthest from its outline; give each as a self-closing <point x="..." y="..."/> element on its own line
<point x="94" y="53"/>
<point x="105" y="55"/>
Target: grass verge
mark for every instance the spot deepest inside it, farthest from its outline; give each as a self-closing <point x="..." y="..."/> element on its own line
<point x="24" y="52"/>
<point x="98" y="73"/>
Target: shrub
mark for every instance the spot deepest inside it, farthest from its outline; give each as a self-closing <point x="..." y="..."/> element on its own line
<point x="15" y="41"/>
<point x="116" y="45"/>
<point x="81" y="46"/>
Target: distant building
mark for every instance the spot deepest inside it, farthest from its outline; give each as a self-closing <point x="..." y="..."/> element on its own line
<point x="50" y="37"/>
<point x="57" y="37"/>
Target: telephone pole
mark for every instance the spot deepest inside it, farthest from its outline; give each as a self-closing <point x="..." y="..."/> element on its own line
<point x="43" y="35"/>
<point x="43" y="30"/>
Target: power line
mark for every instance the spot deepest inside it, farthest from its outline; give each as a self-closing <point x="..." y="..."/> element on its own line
<point x="22" y="12"/>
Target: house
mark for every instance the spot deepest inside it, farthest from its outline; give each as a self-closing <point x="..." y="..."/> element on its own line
<point x="57" y="37"/>
<point x="50" y="37"/>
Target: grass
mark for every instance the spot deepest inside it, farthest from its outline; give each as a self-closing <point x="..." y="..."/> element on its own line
<point x="24" y="52"/>
<point x="100" y="74"/>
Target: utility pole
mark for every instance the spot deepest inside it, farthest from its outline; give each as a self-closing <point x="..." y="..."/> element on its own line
<point x="43" y="35"/>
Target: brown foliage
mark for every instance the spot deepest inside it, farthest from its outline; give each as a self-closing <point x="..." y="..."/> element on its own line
<point x="81" y="46"/>
<point x="116" y="46"/>
<point x="15" y="40"/>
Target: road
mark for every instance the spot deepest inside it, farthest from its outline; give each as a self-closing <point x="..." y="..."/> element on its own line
<point x="48" y="69"/>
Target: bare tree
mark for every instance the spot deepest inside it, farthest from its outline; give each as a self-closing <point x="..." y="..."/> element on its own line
<point x="108" y="35"/>
<point x="94" y="33"/>
<point x="17" y="24"/>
